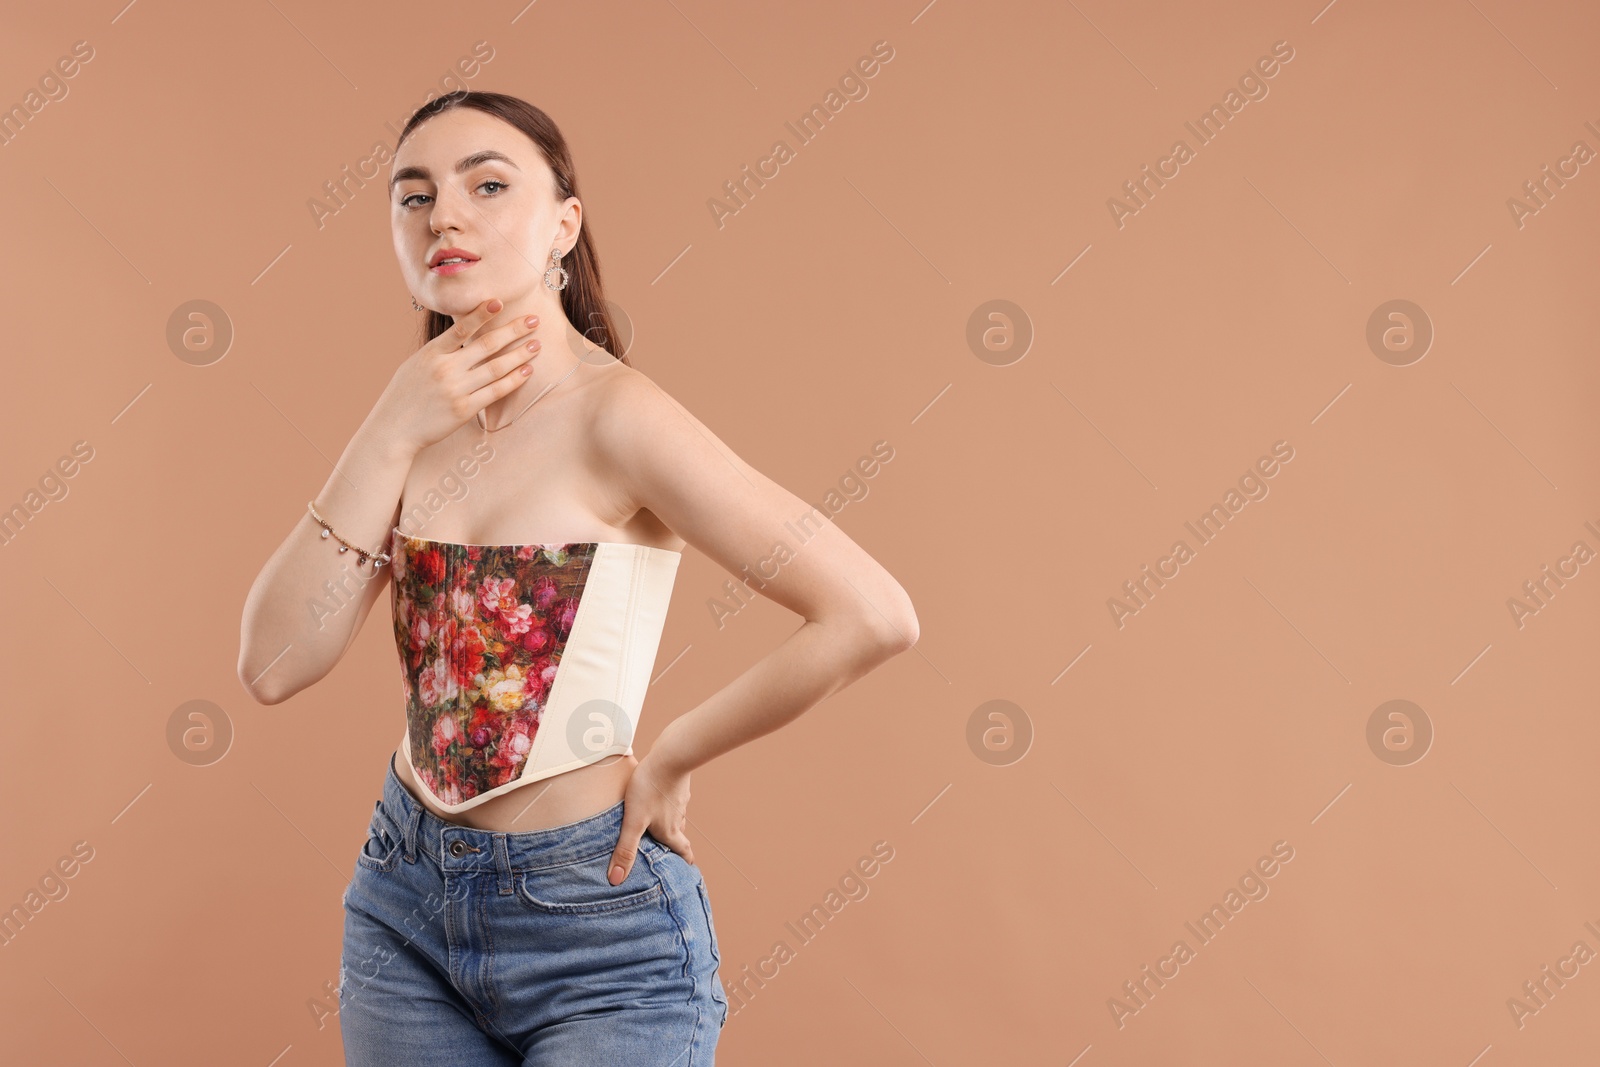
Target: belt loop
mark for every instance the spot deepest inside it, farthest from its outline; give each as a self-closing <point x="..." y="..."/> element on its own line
<point x="502" y="864"/>
<point x="413" y="817"/>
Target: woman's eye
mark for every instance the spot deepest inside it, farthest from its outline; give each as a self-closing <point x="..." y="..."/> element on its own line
<point x="405" y="201"/>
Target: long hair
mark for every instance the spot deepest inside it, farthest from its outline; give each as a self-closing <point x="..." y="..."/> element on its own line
<point x="583" y="300"/>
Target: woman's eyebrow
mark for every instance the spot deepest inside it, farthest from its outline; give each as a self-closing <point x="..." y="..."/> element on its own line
<point x="464" y="164"/>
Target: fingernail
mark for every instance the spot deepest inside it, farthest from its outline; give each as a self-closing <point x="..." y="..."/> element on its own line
<point x="495" y="305"/>
<point x="616" y="874"/>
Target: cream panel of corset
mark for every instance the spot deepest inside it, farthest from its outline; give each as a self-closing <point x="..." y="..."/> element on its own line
<point x="594" y="704"/>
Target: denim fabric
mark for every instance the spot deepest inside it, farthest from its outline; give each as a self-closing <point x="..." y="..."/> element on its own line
<point x="469" y="948"/>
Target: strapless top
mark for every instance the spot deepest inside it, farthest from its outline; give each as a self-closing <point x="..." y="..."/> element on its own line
<point x="522" y="661"/>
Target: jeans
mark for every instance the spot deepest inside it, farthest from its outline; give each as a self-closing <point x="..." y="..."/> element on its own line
<point x="471" y="948"/>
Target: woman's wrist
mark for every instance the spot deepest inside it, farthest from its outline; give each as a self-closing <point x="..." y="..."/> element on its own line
<point x="388" y="444"/>
<point x="672" y="751"/>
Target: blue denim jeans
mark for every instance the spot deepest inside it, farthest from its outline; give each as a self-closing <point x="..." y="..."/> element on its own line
<point x="471" y="948"/>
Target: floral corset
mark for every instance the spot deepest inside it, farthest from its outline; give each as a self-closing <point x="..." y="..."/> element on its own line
<point x="522" y="661"/>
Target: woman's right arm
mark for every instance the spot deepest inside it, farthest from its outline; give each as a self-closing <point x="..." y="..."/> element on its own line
<point x="309" y="601"/>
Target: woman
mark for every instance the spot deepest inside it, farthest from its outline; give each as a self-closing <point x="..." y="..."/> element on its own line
<point x="489" y="923"/>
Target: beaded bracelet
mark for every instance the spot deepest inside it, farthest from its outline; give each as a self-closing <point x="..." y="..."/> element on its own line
<point x="379" y="559"/>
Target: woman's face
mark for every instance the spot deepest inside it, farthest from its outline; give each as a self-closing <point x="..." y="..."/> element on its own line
<point x="500" y="207"/>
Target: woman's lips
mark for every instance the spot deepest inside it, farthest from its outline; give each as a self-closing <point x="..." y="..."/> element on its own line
<point x="452" y="268"/>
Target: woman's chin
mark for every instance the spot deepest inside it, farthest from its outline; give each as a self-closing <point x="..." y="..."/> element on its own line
<point x="456" y="304"/>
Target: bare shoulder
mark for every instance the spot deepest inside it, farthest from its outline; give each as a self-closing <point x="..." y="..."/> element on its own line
<point x="632" y="412"/>
<point x="628" y="387"/>
<point x="619" y="385"/>
<point x="662" y="459"/>
<point x="647" y="449"/>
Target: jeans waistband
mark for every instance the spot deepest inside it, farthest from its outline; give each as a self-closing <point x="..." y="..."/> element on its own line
<point x="462" y="849"/>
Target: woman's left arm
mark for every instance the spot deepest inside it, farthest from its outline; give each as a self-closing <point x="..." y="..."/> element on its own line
<point x="855" y="614"/>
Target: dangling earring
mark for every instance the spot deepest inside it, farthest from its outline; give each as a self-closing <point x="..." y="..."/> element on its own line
<point x="555" y="265"/>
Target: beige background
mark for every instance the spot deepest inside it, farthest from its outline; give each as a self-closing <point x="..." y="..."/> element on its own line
<point x="832" y="312"/>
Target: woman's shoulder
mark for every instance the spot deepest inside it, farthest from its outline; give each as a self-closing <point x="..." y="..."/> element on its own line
<point x="622" y="392"/>
<point x="629" y="411"/>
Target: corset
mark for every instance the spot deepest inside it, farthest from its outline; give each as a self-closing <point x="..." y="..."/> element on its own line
<point x="522" y="661"/>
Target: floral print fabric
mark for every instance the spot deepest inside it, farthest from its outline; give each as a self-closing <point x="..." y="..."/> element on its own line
<point x="480" y="631"/>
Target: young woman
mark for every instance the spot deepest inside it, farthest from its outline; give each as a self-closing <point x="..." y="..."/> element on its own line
<point x="489" y="923"/>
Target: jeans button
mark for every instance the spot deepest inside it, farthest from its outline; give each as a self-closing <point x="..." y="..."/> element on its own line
<point x="458" y="849"/>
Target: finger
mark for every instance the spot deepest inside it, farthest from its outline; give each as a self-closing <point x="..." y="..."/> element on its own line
<point x="521" y="365"/>
<point x="516" y="355"/>
<point x="623" y="855"/>
<point x="512" y="338"/>
<point x="489" y="342"/>
<point x="680" y="844"/>
<point x="467" y="325"/>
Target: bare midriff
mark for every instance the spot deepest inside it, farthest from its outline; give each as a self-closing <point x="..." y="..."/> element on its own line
<point x="554" y="801"/>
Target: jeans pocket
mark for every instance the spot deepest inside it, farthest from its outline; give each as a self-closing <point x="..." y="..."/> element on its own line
<point x="582" y="888"/>
<point x="381" y="850"/>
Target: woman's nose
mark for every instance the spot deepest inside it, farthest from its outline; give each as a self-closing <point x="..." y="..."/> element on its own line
<point x="448" y="209"/>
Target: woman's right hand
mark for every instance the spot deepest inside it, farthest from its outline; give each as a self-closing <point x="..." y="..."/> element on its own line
<point x="456" y="375"/>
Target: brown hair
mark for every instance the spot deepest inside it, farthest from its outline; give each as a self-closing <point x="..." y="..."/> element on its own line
<point x="583" y="300"/>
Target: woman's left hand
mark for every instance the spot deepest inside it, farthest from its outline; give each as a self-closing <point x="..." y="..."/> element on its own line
<point x="656" y="800"/>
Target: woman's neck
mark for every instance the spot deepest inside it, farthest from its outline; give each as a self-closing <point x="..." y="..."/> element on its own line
<point x="552" y="323"/>
<point x="564" y="360"/>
